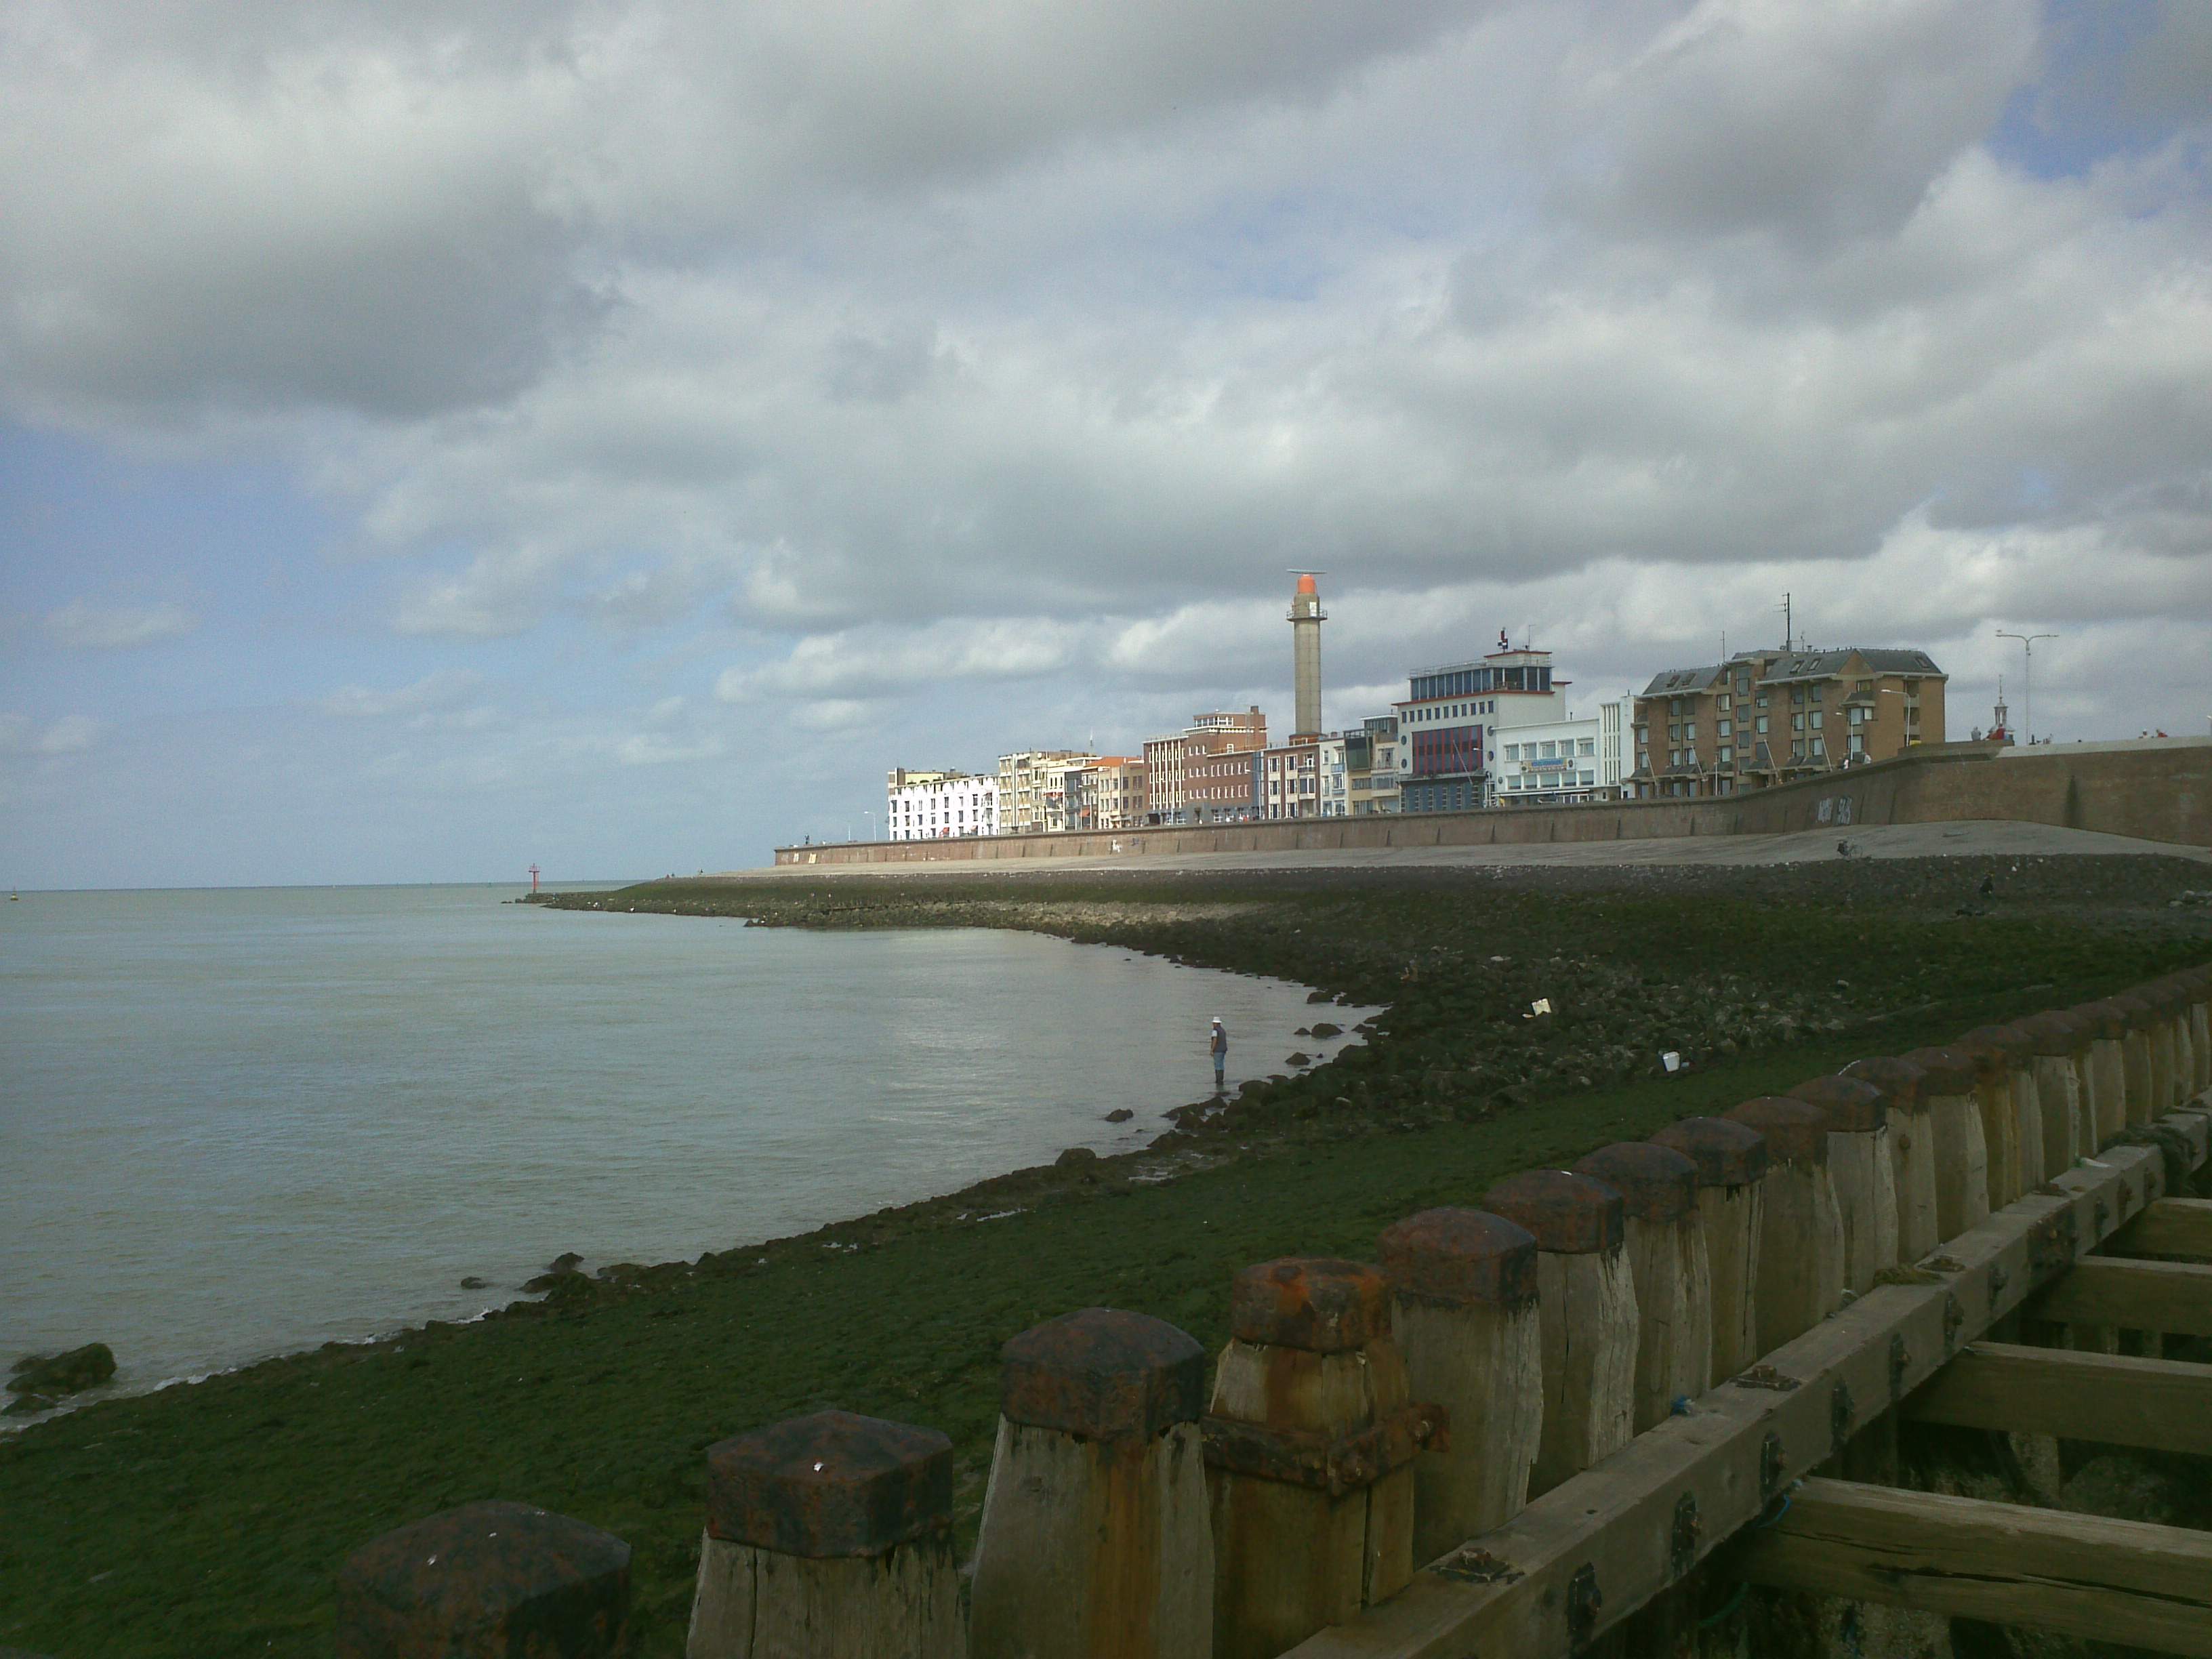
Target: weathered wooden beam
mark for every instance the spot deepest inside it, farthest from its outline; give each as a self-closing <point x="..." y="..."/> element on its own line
<point x="2173" y="1226"/>
<point x="2159" y="1404"/>
<point x="2126" y="1582"/>
<point x="2174" y="1296"/>
<point x="1590" y="1552"/>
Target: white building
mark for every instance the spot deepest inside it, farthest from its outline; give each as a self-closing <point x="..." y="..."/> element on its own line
<point x="940" y="806"/>
<point x="1565" y="760"/>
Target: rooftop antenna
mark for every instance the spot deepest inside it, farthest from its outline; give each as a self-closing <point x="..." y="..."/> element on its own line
<point x="1789" y="624"/>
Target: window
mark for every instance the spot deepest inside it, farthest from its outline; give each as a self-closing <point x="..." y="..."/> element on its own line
<point x="1761" y="724"/>
<point x="1550" y="751"/>
<point x="1761" y="703"/>
<point x="1820" y="749"/>
<point x="1725" y="755"/>
<point x="1689" y="731"/>
<point x="1815" y="694"/>
<point x="1589" y="746"/>
<point x="1796" y="722"/>
<point x="1858" y="743"/>
<point x="1726" y="703"/>
<point x="1513" y="751"/>
<point x="1725" y="729"/>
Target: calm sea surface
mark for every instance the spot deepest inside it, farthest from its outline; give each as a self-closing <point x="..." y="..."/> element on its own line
<point x="235" y="1123"/>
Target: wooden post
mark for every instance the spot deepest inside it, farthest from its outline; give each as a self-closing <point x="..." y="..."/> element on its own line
<point x="2178" y="998"/>
<point x="2104" y="1068"/>
<point x="1731" y="1165"/>
<point x="2136" y="1056"/>
<point x="2164" y="1086"/>
<point x="2196" y="983"/>
<point x="1095" y="1538"/>
<point x="1866" y="1179"/>
<point x="2001" y="1073"/>
<point x="484" y="1581"/>
<point x="2027" y="1118"/>
<point x="1586" y="1302"/>
<point x="1665" y="1246"/>
<point x="1463" y="1311"/>
<point x="829" y="1536"/>
<point x="1962" y="1174"/>
<point x="1309" y="1450"/>
<point x="1912" y="1150"/>
<point x="2200" y="1023"/>
<point x="1800" y="1238"/>
<point x="2058" y="1040"/>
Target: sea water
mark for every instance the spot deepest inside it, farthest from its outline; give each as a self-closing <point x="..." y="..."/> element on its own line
<point x="234" y="1122"/>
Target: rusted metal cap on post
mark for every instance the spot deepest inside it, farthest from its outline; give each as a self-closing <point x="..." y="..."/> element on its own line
<point x="832" y="1484"/>
<point x="2055" y="1036"/>
<point x="1901" y="1082"/>
<point x="1315" y="1303"/>
<point x="2138" y="1009"/>
<point x="1797" y="1131"/>
<point x="1997" y="1049"/>
<point x="484" y="1581"/>
<point x="1567" y="1214"/>
<point x="1656" y="1183"/>
<point x="1462" y="1257"/>
<point x="1103" y="1375"/>
<point x="1944" y="1071"/>
<point x="1852" y="1108"/>
<point x="1725" y="1154"/>
<point x="2103" y="1019"/>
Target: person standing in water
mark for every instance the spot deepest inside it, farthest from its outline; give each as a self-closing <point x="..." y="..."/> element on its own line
<point x="1219" y="1042"/>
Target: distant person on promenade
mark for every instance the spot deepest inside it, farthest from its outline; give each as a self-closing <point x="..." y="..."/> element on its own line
<point x="1219" y="1044"/>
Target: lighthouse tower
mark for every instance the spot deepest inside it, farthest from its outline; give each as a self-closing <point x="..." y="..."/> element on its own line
<point x="1306" y="618"/>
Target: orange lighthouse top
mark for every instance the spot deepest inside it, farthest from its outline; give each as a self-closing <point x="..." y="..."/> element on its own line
<point x="1306" y="585"/>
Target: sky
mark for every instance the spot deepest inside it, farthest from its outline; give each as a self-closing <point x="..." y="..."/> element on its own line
<point x="437" y="436"/>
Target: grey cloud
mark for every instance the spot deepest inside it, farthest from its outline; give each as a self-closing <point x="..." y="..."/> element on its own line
<point x="1817" y="123"/>
<point x="86" y="626"/>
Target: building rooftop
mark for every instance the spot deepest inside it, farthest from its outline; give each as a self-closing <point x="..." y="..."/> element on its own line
<point x="1782" y="666"/>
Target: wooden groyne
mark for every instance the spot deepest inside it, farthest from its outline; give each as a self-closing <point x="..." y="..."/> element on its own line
<point x="1533" y="1420"/>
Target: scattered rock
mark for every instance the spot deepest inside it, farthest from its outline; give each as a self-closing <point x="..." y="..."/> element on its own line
<point x="566" y="1263"/>
<point x="1323" y="1029"/>
<point x="2123" y="1487"/>
<point x="48" y="1377"/>
<point x="1302" y="1031"/>
<point x="1319" y="996"/>
<point x="1120" y="1115"/>
<point x="473" y="1283"/>
<point x="1075" y="1157"/>
<point x="1297" y="1057"/>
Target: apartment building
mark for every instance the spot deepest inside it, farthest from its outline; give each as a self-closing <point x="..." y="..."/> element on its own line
<point x="1768" y="717"/>
<point x="1109" y="793"/>
<point x="1370" y="763"/>
<point x="1286" y="781"/>
<point x="933" y="805"/>
<point x="1188" y="777"/>
<point x="1032" y="794"/>
<point x="1448" y="722"/>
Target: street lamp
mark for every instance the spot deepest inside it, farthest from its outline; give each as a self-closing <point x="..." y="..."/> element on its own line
<point x="2027" y="676"/>
<point x="870" y="817"/>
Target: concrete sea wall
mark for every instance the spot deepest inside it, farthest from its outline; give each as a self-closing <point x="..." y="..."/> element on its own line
<point x="2159" y="789"/>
